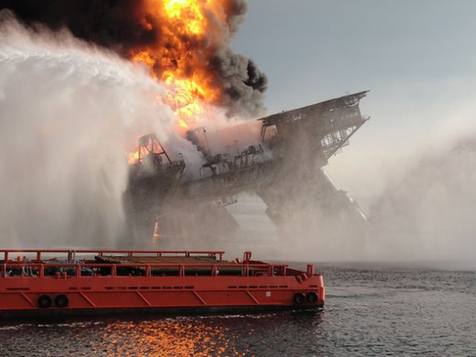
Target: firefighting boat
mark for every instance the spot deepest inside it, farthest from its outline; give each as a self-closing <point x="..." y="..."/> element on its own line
<point x="50" y="282"/>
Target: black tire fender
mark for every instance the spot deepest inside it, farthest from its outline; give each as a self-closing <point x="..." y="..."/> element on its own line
<point x="312" y="298"/>
<point x="61" y="301"/>
<point x="299" y="298"/>
<point x="44" y="301"/>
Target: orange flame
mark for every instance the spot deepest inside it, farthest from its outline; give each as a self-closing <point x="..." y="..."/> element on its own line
<point x="178" y="57"/>
<point x="187" y="12"/>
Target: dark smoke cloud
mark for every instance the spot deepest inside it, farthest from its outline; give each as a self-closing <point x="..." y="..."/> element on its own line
<point x="119" y="26"/>
<point x="235" y="11"/>
<point x="243" y="83"/>
<point x="111" y="24"/>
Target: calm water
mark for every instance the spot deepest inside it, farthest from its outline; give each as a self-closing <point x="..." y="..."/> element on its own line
<point x="369" y="312"/>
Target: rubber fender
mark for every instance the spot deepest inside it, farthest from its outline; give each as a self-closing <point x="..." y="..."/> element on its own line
<point x="61" y="301"/>
<point x="44" y="301"/>
<point x="312" y="298"/>
<point x="299" y="298"/>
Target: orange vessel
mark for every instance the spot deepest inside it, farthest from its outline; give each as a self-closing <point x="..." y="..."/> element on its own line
<point x="80" y="281"/>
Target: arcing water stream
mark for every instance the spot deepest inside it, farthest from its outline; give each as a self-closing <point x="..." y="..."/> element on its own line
<point x="68" y="113"/>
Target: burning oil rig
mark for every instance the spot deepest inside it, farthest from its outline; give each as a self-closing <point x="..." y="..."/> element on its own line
<point x="283" y="168"/>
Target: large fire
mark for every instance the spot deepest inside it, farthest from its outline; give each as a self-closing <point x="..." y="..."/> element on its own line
<point x="185" y="43"/>
<point x="179" y="58"/>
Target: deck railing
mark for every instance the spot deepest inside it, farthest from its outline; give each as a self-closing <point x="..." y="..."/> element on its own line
<point x="70" y="254"/>
<point x="108" y="270"/>
<point x="32" y="265"/>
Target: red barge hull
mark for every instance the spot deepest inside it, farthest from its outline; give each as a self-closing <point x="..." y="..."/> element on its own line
<point x="85" y="281"/>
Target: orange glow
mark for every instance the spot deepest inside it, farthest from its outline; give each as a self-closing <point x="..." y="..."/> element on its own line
<point x="177" y="59"/>
<point x="165" y="337"/>
<point x="133" y="157"/>
<point x="188" y="12"/>
<point x="144" y="57"/>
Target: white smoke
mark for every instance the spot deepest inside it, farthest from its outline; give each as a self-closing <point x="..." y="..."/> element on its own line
<point x="427" y="210"/>
<point x="69" y="114"/>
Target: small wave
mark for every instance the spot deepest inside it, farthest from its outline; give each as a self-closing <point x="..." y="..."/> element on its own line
<point x="14" y="327"/>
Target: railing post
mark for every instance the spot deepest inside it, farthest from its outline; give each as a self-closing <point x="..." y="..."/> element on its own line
<point x="42" y="271"/>
<point x="310" y="269"/>
<point x="113" y="270"/>
<point x="148" y="270"/>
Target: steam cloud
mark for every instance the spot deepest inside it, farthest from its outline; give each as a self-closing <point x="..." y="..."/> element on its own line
<point x="119" y="26"/>
<point x="68" y="113"/>
<point x="427" y="213"/>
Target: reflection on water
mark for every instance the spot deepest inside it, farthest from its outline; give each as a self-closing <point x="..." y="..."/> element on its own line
<point x="229" y="335"/>
<point x="167" y="338"/>
<point x="232" y="335"/>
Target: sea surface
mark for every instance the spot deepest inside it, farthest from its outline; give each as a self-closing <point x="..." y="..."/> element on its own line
<point x="370" y="311"/>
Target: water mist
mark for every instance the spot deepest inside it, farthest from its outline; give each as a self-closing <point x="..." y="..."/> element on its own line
<point x="69" y="114"/>
<point x="426" y="212"/>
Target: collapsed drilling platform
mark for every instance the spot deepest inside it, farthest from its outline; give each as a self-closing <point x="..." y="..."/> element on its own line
<point x="283" y="168"/>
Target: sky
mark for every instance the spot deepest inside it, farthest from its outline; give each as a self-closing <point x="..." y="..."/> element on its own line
<point x="417" y="58"/>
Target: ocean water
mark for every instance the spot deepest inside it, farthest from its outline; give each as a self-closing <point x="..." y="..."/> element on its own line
<point x="370" y="311"/>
